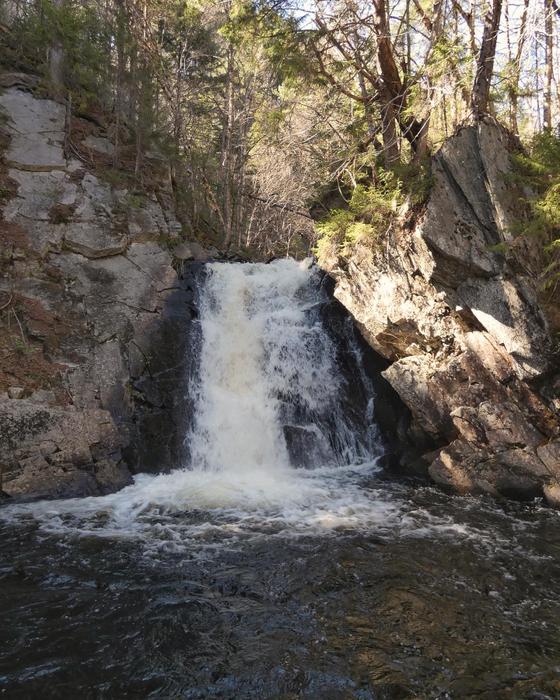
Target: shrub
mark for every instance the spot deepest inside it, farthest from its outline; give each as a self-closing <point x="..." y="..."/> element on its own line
<point x="372" y="210"/>
<point x="539" y="172"/>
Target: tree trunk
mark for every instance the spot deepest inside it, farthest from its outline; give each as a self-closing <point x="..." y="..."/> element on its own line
<point x="513" y="86"/>
<point x="548" y="31"/>
<point x="227" y="146"/>
<point x="392" y="94"/>
<point x="56" y="59"/>
<point x="144" y="101"/>
<point x="120" y="77"/>
<point x="485" y="66"/>
<point x="391" y="144"/>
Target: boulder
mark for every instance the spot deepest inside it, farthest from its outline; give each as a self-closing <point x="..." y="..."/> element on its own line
<point x="46" y="450"/>
<point x="466" y="469"/>
<point x="552" y="493"/>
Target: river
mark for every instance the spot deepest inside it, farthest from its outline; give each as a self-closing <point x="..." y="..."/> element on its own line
<point x="279" y="560"/>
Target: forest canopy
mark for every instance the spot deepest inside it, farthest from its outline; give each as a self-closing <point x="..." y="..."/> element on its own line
<point x="274" y="114"/>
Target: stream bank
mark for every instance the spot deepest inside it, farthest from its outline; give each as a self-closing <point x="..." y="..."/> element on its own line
<point x="97" y="299"/>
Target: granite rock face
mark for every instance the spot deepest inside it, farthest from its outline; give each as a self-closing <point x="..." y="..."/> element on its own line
<point x="93" y="314"/>
<point x="456" y="314"/>
<point x="60" y="451"/>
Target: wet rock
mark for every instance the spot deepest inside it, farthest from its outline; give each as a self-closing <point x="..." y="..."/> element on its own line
<point x="552" y="493"/>
<point x="305" y="445"/>
<point x="451" y="467"/>
<point x="111" y="476"/>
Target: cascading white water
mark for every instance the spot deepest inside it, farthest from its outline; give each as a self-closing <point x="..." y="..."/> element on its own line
<point x="236" y="415"/>
<point x="265" y="357"/>
<point x="268" y="399"/>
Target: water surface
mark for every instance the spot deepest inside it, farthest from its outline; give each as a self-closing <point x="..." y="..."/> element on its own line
<point x="278" y="561"/>
<point x="440" y="597"/>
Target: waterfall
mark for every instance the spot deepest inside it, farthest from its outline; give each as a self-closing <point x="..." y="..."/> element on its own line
<point x="269" y="393"/>
<point x="281" y="437"/>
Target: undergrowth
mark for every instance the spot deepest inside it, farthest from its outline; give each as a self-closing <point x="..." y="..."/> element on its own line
<point x="373" y="209"/>
<point x="538" y="171"/>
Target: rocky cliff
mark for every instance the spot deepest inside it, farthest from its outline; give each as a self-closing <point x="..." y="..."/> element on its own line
<point x="450" y="299"/>
<point x="95" y="306"/>
<point x="93" y="312"/>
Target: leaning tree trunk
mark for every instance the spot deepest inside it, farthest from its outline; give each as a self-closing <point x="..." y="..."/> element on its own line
<point x="392" y="93"/>
<point x="485" y="66"/>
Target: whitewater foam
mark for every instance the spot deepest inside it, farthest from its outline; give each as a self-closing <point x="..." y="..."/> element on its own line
<point x="267" y="369"/>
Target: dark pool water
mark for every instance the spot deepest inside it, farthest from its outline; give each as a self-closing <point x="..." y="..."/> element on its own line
<point x="470" y="610"/>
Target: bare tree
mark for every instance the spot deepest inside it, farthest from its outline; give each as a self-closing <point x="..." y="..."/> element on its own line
<point x="485" y="64"/>
<point x="56" y="58"/>
<point x="515" y="66"/>
<point x="549" y="42"/>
